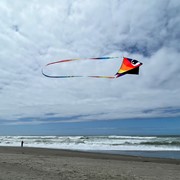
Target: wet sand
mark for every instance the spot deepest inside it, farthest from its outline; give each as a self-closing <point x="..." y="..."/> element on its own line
<point x="50" y="164"/>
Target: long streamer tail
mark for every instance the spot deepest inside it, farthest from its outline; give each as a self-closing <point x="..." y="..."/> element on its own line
<point x="70" y="60"/>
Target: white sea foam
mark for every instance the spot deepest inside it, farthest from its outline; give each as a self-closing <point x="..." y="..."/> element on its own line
<point x="134" y="143"/>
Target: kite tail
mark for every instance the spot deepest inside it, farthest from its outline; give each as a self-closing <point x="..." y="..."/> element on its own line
<point x="77" y="59"/>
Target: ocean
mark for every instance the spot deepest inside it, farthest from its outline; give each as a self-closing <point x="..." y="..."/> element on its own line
<point x="148" y="146"/>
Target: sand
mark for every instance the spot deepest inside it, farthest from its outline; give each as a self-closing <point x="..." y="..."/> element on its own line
<point x="38" y="163"/>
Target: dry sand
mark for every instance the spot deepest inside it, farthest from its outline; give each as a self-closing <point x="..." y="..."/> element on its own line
<point x="49" y="164"/>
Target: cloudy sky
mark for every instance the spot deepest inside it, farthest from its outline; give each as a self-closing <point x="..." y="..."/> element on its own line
<point x="33" y="33"/>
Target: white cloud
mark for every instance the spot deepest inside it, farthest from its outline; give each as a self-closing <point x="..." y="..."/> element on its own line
<point x="33" y="33"/>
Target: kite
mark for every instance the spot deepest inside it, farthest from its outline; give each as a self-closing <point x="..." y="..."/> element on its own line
<point x="128" y="66"/>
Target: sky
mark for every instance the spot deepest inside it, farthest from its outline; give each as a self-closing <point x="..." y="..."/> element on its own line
<point x="34" y="33"/>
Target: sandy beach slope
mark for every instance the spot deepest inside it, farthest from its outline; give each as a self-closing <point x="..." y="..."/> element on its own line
<point x="37" y="164"/>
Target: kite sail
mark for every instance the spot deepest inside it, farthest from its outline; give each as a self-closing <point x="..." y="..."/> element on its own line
<point x="128" y="66"/>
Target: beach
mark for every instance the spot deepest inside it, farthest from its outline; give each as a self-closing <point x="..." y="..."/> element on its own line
<point x="40" y="163"/>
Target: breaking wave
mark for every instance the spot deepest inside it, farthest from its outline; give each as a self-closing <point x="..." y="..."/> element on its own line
<point x="140" y="143"/>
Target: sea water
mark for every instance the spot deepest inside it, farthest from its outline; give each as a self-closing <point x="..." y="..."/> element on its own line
<point x="149" y="146"/>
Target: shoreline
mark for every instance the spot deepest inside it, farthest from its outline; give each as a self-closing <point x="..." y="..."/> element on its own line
<point x="41" y="163"/>
<point x="119" y="153"/>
